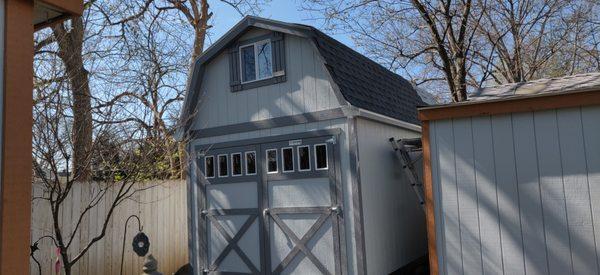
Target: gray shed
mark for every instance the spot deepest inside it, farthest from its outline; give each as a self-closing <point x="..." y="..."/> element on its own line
<point x="512" y="179"/>
<point x="290" y="166"/>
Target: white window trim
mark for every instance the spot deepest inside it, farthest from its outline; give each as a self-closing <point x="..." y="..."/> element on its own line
<point x="326" y="157"/>
<point x="241" y="171"/>
<point x="300" y="163"/>
<point x="256" y="78"/>
<point x="219" y="166"/>
<point x="276" y="161"/>
<point x="205" y="168"/>
<point x="283" y="160"/>
<point x="246" y="163"/>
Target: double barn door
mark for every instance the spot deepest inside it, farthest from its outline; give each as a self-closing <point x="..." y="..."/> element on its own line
<point x="271" y="208"/>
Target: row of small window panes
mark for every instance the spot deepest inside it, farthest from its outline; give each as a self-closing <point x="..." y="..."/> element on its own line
<point x="236" y="165"/>
<point x="303" y="157"/>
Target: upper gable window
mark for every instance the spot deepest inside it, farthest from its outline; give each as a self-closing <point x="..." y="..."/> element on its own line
<point x="256" y="61"/>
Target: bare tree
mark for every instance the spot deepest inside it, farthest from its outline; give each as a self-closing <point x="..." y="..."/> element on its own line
<point x="197" y="14"/>
<point x="531" y="39"/>
<point x="117" y="167"/>
<point x="108" y="87"/>
<point x="70" y="45"/>
<point x="463" y="44"/>
<point x="433" y="36"/>
<point x="152" y="84"/>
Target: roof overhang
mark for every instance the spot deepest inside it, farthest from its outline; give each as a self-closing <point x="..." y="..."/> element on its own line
<point x="514" y="104"/>
<point x="48" y="12"/>
<point x="352" y="111"/>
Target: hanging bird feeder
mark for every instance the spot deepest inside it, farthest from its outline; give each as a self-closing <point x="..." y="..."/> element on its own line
<point x="140" y="243"/>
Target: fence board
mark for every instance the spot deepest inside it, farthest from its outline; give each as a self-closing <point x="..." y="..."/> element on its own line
<point x="161" y="207"/>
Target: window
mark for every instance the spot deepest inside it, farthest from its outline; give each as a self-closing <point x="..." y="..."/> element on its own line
<point x="250" y="163"/>
<point x="264" y="62"/>
<point x="209" y="167"/>
<point x="223" y="166"/>
<point x="256" y="61"/>
<point x="287" y="154"/>
<point x="248" y="66"/>
<point x="321" y="157"/>
<point x="303" y="158"/>
<point x="271" y="161"/>
<point x="236" y="164"/>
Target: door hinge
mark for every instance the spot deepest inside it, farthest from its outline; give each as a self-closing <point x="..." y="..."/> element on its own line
<point x="336" y="209"/>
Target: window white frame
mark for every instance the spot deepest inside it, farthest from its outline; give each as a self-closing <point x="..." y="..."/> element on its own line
<point x="219" y="165"/>
<point x="246" y="163"/>
<point x="326" y="156"/>
<point x="276" y="161"/>
<point x="283" y="160"/>
<point x="206" y="169"/>
<point x="255" y="48"/>
<point x="299" y="162"/>
<point x="241" y="165"/>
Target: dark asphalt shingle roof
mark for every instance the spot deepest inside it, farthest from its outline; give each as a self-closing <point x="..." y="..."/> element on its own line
<point x="366" y="84"/>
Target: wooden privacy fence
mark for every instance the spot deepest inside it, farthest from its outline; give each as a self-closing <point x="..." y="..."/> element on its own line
<point x="161" y="207"/>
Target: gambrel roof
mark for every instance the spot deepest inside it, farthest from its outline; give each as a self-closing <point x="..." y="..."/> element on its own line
<point x="362" y="82"/>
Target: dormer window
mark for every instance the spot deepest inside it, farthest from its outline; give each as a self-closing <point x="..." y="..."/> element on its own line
<point x="256" y="61"/>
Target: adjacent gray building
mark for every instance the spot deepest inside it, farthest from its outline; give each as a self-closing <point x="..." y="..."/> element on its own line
<point x="513" y="179"/>
<point x="291" y="170"/>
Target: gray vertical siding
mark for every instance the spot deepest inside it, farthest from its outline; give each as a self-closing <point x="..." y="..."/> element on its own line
<point x="307" y="89"/>
<point x="518" y="193"/>
<point x="394" y="223"/>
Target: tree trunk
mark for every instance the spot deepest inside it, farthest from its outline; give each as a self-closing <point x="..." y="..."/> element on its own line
<point x="70" y="45"/>
<point x="66" y="263"/>
<point x="82" y="124"/>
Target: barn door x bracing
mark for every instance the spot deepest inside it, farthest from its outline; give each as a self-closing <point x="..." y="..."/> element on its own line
<point x="272" y="208"/>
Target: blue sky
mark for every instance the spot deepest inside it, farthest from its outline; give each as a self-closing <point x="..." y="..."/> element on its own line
<point x="284" y="10"/>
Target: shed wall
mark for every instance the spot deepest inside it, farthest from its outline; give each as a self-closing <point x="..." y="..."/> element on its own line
<point x="518" y="193"/>
<point x="394" y="222"/>
<point x="307" y="89"/>
<point x="345" y="171"/>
